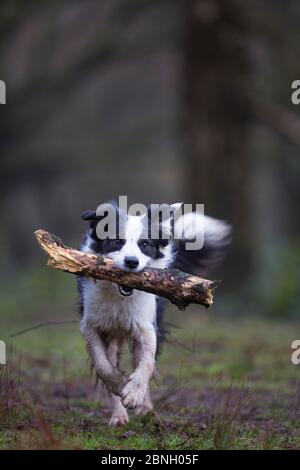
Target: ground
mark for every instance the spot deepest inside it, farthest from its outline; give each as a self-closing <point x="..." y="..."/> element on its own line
<point x="223" y="384"/>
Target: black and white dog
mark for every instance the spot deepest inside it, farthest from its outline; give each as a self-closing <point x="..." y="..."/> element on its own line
<point x="111" y="314"/>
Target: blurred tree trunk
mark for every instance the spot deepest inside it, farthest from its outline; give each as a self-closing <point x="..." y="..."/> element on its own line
<point x="216" y="112"/>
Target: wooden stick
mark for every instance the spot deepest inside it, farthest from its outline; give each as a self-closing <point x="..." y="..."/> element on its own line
<point x="178" y="287"/>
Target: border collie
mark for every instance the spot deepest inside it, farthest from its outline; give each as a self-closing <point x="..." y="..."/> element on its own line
<point x="111" y="315"/>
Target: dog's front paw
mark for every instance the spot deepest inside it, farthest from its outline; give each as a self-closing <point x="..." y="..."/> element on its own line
<point x="119" y="418"/>
<point x="134" y="392"/>
<point x="115" y="382"/>
<point x="144" y="409"/>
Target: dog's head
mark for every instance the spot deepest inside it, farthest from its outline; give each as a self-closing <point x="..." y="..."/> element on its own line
<point x="133" y="242"/>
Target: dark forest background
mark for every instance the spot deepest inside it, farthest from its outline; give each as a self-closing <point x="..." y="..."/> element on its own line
<point x="162" y="101"/>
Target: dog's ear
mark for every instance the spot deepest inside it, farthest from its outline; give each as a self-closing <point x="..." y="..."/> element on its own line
<point x="160" y="223"/>
<point x="157" y="212"/>
<point x="170" y="211"/>
<point x="89" y="215"/>
<point x="176" y="207"/>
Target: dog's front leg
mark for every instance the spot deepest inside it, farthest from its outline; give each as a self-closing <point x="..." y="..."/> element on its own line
<point x="144" y="347"/>
<point x="112" y="377"/>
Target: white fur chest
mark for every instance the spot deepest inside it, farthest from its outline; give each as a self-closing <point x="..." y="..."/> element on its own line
<point x="106" y="309"/>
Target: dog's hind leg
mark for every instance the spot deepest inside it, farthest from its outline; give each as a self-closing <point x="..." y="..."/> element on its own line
<point x="119" y="415"/>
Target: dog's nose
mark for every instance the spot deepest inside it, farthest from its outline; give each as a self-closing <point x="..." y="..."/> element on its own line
<point x="131" y="262"/>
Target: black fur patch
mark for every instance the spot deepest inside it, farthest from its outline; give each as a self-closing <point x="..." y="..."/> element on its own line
<point x="200" y="262"/>
<point x="150" y="248"/>
<point x="80" y="286"/>
<point x="107" y="245"/>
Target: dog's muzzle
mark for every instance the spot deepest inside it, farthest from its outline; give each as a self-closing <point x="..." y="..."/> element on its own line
<point x="125" y="291"/>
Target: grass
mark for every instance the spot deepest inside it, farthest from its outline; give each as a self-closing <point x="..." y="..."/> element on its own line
<point x="224" y="384"/>
<point x="9" y="389"/>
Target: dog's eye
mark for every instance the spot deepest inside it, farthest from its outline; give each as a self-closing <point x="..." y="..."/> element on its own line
<point x="115" y="244"/>
<point x="145" y="243"/>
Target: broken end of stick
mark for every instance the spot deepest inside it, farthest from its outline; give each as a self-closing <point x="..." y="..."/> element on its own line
<point x="45" y="239"/>
<point x="199" y="294"/>
<point x="209" y="294"/>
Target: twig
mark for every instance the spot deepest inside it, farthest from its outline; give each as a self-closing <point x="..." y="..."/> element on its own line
<point x="41" y="325"/>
